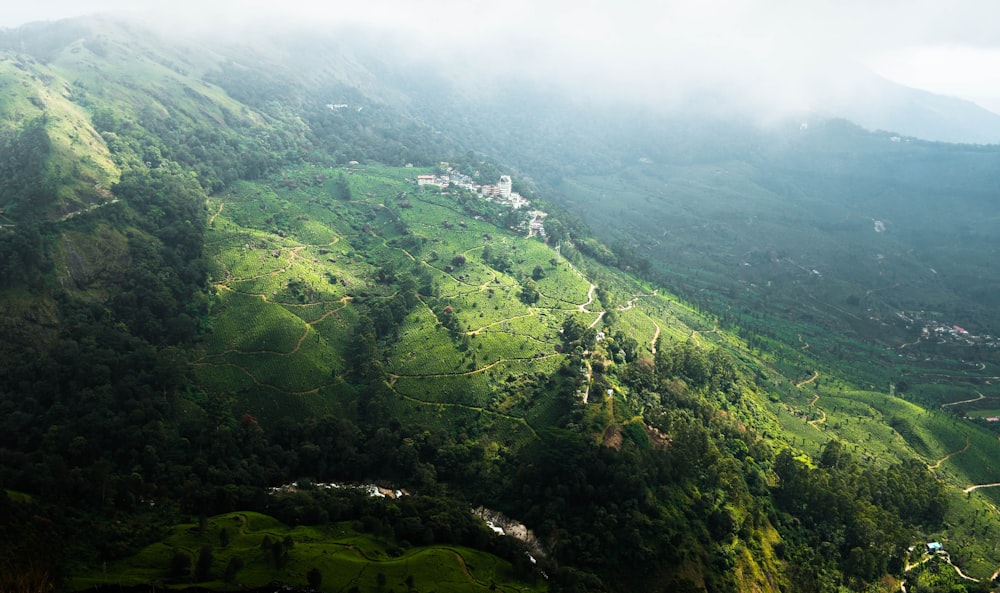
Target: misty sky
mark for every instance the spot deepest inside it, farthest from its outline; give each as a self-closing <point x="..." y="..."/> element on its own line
<point x="785" y="46"/>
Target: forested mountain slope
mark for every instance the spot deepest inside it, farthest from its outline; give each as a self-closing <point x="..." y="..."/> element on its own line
<point x="221" y="276"/>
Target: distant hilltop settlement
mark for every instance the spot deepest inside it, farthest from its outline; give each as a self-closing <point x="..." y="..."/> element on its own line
<point x="500" y="193"/>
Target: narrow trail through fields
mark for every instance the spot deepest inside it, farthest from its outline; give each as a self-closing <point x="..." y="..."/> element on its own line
<point x="257" y="381"/>
<point x="978" y="486"/>
<point x="394" y="376"/>
<point x="588" y="378"/>
<point x="343" y="300"/>
<point x="590" y="297"/>
<point x="809" y="380"/>
<point x="211" y="219"/>
<point x="965" y="401"/>
<point x="959" y="570"/>
<point x="822" y="418"/>
<point x="496" y="323"/>
<point x="590" y="292"/>
<point x="947" y="559"/>
<point x="322" y="317"/>
<point x="635" y="298"/>
<point x="938" y="463"/>
<point x="805" y="345"/>
<point x="516" y="419"/>
<point x="596" y="321"/>
<point x="908" y="344"/>
<point x="472" y="372"/>
<point x="656" y="338"/>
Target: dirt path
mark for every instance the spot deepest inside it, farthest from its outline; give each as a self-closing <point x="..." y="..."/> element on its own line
<point x="257" y="381"/>
<point x="309" y="325"/>
<point x="343" y="300"/>
<point x="293" y="254"/>
<point x="590" y="297"/>
<point x="635" y="297"/>
<point x="90" y="208"/>
<point x="590" y="292"/>
<point x="822" y="418"/>
<point x="395" y="376"/>
<point x="805" y="345"/>
<point x="809" y="380"/>
<point x="589" y="377"/>
<point x="517" y="419"/>
<point x="495" y="323"/>
<point x="965" y="401"/>
<point x="211" y="219"/>
<point x="938" y="463"/>
<point x="907" y="344"/>
<point x="656" y="337"/>
<point x="978" y="486"/>
<point x="947" y="558"/>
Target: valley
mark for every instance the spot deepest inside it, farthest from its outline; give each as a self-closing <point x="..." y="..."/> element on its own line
<point x="440" y="361"/>
<point x="687" y="354"/>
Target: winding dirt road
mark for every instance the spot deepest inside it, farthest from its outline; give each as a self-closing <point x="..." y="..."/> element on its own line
<point x="965" y="401"/>
<point x="822" y="418"/>
<point x="938" y="463"/>
<point x="809" y="380"/>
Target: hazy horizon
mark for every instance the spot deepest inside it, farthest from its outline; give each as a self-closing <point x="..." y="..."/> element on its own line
<point x="767" y="56"/>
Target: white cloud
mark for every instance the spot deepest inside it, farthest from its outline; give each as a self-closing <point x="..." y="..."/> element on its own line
<point x="961" y="70"/>
<point x="783" y="48"/>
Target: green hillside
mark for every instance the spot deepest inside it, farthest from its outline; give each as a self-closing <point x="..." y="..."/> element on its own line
<point x="242" y="553"/>
<point x="215" y="285"/>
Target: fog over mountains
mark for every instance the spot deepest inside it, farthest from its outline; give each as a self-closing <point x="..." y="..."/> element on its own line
<point x="750" y="59"/>
<point x="880" y="104"/>
<point x="739" y="332"/>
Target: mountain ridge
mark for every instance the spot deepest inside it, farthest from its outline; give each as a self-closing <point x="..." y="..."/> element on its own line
<point x="268" y="294"/>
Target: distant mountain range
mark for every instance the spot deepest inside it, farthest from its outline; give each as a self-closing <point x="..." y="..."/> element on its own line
<point x="880" y="104"/>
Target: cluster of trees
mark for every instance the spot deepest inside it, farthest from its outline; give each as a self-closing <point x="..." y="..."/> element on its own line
<point x="25" y="181"/>
<point x="216" y="154"/>
<point x="699" y="367"/>
<point x="499" y="256"/>
<point x="850" y="519"/>
<point x="162" y="295"/>
<point x="26" y="187"/>
<point x="364" y="130"/>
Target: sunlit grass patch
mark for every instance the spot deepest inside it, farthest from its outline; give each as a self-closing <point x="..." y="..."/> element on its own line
<point x="344" y="557"/>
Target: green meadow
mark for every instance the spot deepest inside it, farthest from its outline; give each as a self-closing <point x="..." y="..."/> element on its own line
<point x="345" y="558"/>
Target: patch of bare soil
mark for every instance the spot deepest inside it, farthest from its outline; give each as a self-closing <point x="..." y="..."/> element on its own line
<point x="657" y="438"/>
<point x="613" y="437"/>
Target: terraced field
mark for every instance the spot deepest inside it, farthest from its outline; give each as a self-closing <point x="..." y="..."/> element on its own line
<point x="295" y="269"/>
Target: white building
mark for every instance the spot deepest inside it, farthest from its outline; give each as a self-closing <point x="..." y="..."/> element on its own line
<point x="504" y="185"/>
